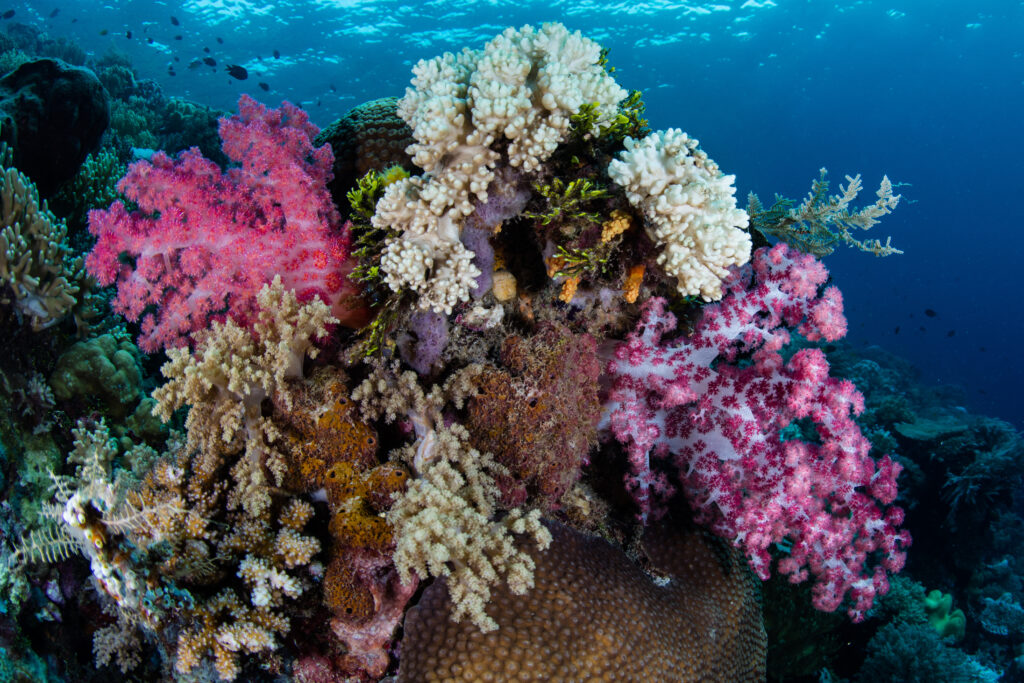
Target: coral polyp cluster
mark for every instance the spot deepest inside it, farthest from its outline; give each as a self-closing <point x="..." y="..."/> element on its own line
<point x="543" y="321"/>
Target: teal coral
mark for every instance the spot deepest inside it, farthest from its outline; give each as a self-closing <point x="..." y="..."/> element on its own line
<point x="821" y="222"/>
<point x="948" y="622"/>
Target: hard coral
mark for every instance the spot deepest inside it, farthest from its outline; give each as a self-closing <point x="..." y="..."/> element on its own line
<point x="370" y="137"/>
<point x="593" y="615"/>
<point x="538" y="413"/>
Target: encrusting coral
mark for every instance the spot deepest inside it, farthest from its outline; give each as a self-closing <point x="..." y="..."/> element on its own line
<point x="593" y="615"/>
<point x="537" y="413"/>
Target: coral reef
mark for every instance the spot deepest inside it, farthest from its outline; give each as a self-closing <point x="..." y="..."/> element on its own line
<point x="689" y="207"/>
<point x="538" y="410"/>
<point x="39" y="275"/>
<point x="593" y="615"/>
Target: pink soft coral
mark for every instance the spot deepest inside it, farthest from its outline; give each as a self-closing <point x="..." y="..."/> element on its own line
<point x="719" y="421"/>
<point x="203" y="242"/>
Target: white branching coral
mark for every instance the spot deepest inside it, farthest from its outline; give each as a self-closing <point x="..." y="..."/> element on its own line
<point x="447" y="521"/>
<point x="521" y="90"/>
<point x="689" y="208"/>
<point x="226" y="380"/>
<point x="445" y="526"/>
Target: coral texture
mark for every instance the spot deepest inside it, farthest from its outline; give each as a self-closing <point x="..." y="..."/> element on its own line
<point x="538" y="413"/>
<point x="719" y="421"/>
<point x="592" y="615"/>
<point x="226" y="380"/>
<point x="203" y="242"/>
<point x="689" y="207"/>
<point x="38" y="274"/>
<point x="370" y="137"/>
<point x="519" y="92"/>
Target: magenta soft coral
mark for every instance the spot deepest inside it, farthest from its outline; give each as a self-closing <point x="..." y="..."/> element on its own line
<point x="719" y="422"/>
<point x="203" y="242"/>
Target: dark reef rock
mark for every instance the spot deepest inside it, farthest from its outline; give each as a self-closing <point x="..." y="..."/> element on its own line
<point x="52" y="115"/>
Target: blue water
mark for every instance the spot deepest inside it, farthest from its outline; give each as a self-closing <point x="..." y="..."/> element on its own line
<point x="929" y="92"/>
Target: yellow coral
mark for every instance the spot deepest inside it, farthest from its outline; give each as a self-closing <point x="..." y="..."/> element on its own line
<point x="226" y="380"/>
<point x="344" y="594"/>
<point x="634" y="278"/>
<point x="619" y="223"/>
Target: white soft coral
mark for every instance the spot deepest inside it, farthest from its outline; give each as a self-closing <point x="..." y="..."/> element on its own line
<point x="521" y="89"/>
<point x="689" y="207"/>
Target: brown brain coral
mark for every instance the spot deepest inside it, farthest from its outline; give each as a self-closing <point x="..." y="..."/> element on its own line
<point x="595" y="616"/>
<point x="370" y="136"/>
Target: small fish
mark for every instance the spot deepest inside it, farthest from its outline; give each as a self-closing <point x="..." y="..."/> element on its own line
<point x="277" y="54"/>
<point x="930" y="313"/>
<point x="897" y="330"/>
<point x="238" y="72"/>
<point x="177" y="58"/>
<point x="263" y="85"/>
<point x="334" y="88"/>
<point x="982" y="349"/>
<point x="104" y="32"/>
<point x="206" y="50"/>
<point x="54" y="12"/>
<point x="318" y="101"/>
<point x="951" y="333"/>
<point x="179" y="37"/>
<point x="170" y="71"/>
<point x="128" y="35"/>
<point x="829" y="348"/>
<point x="8" y="14"/>
<point x="195" y="64"/>
<point x="921" y="328"/>
<point x="149" y="40"/>
<point x="220" y="40"/>
<point x="174" y="21"/>
<point x="209" y="61"/>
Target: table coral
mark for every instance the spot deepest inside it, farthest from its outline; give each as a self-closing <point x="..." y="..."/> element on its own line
<point x="593" y="615"/>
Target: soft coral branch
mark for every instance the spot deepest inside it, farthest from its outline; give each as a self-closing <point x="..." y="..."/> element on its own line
<point x="719" y="421"/>
<point x="203" y="242"/>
